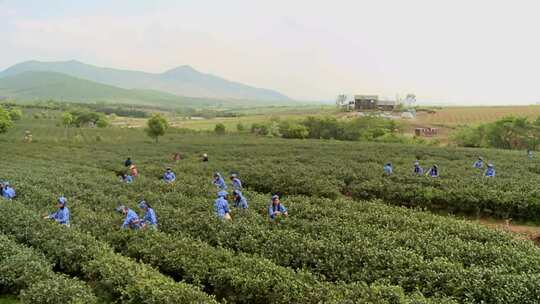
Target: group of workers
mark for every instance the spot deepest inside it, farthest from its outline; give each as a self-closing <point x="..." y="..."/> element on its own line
<point x="434" y="170"/>
<point x="221" y="205"/>
<point x="133" y="221"/>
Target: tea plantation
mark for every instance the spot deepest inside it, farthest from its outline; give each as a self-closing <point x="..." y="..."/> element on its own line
<point x="350" y="237"/>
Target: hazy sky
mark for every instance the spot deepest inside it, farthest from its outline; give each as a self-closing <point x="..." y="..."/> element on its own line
<point x="462" y="51"/>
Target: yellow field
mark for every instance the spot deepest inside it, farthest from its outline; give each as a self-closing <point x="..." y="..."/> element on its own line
<point x="474" y="115"/>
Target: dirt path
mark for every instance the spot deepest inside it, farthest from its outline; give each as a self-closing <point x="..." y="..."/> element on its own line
<point x="522" y="231"/>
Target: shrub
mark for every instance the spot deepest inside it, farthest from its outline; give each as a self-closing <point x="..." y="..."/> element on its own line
<point x="219" y="129"/>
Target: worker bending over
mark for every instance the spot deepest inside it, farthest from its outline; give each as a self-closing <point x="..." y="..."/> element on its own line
<point x="239" y="200"/>
<point x="169" y="176"/>
<point x="219" y="181"/>
<point x="236" y="182"/>
<point x="149" y="219"/>
<point x="131" y="220"/>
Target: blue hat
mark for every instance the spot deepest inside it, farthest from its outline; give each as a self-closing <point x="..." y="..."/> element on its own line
<point x="275" y="197"/>
<point x="142" y="204"/>
<point x="222" y="193"/>
<point x="62" y="201"/>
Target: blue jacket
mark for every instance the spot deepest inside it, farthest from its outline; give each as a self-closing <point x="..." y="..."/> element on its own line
<point x="479" y="164"/>
<point x="150" y="217"/>
<point x="222" y="207"/>
<point x="388" y="169"/>
<point x="241" y="201"/>
<point x="418" y="170"/>
<point x="273" y="209"/>
<point x="236" y="184"/>
<point x="128" y="179"/>
<point x="131" y="221"/>
<point x="61" y="216"/>
<point x="8" y="192"/>
<point x="169" y="177"/>
<point x="490" y="172"/>
<point x="433" y="172"/>
<point x="220" y="183"/>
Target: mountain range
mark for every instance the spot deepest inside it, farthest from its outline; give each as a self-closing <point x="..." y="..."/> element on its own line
<point x="80" y="82"/>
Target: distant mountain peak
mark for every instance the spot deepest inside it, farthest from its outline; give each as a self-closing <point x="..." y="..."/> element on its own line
<point x="183" y="80"/>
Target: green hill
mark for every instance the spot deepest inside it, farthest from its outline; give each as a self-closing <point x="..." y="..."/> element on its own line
<point x="32" y="86"/>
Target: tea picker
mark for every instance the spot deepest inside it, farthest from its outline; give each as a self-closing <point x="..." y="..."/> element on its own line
<point x="479" y="164"/>
<point x="418" y="170"/>
<point x="236" y="182"/>
<point x="219" y="181"/>
<point x="490" y="172"/>
<point x="433" y="171"/>
<point x="388" y="170"/>
<point x="239" y="200"/>
<point x="169" y="176"/>
<point x="61" y="216"/>
<point x="7" y="191"/>
<point x="126" y="178"/>
<point x="131" y="220"/>
<point x="276" y="209"/>
<point x="221" y="206"/>
<point x="149" y="219"/>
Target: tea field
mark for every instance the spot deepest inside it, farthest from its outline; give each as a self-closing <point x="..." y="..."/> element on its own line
<point x="351" y="237"/>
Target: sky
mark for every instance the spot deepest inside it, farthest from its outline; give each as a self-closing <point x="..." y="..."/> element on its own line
<point x="444" y="51"/>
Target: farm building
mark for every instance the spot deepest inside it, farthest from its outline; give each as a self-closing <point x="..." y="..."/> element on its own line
<point x="427" y="132"/>
<point x="370" y="102"/>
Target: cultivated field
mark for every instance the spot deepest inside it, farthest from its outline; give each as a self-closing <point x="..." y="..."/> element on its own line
<point x="474" y="115"/>
<point x="347" y="239"/>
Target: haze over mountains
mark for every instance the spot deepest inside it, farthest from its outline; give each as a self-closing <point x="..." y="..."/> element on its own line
<point x="77" y="81"/>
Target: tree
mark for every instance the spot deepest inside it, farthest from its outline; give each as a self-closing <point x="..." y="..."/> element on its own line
<point x="67" y="119"/>
<point x="220" y="129"/>
<point x="240" y="127"/>
<point x="156" y="126"/>
<point x="103" y="122"/>
<point x="15" y="114"/>
<point x="5" y="120"/>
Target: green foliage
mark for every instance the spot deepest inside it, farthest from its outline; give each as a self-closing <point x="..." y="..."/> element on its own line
<point x="67" y="119"/>
<point x="259" y="129"/>
<point x="240" y="127"/>
<point x="506" y="133"/>
<point x="292" y="129"/>
<point x="219" y="129"/>
<point x="156" y="126"/>
<point x="24" y="270"/>
<point x="15" y="114"/>
<point x="336" y="246"/>
<point x="5" y="120"/>
<point x="78" y="253"/>
<point x="102" y="122"/>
